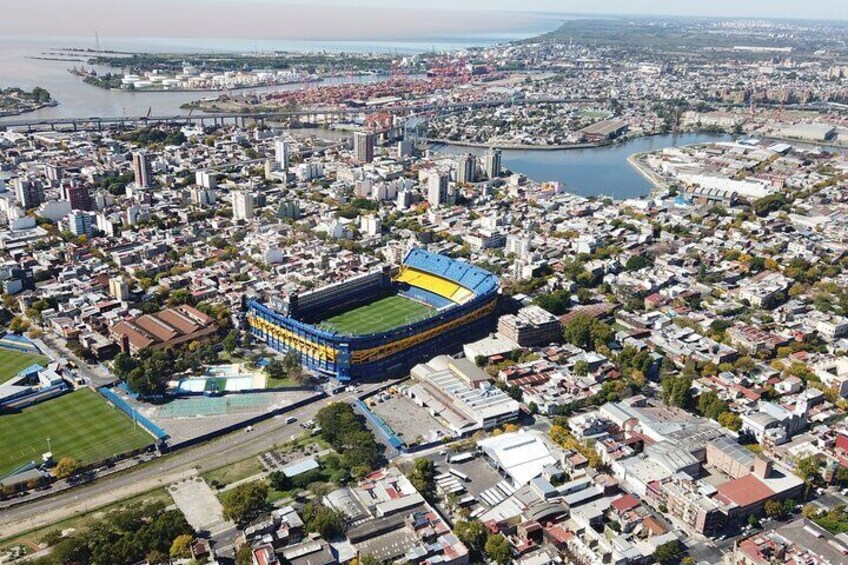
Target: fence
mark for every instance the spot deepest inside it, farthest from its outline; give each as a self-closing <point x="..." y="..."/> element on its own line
<point x="378" y="422"/>
<point x="120" y="403"/>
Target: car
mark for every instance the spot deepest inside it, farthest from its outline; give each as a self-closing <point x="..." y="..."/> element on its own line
<point x="248" y="429"/>
<point x="291" y="420"/>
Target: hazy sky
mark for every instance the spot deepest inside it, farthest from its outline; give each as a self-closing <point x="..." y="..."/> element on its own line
<point x="352" y="19"/>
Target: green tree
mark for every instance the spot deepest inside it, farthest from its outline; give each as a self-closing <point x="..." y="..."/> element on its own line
<point x="422" y="477"/>
<point x="244" y="555"/>
<point x="668" y="552"/>
<point x="497" y="549"/>
<point x="808" y="469"/>
<point x="773" y="508"/>
<point x="245" y="502"/>
<point x="66" y="467"/>
<point x="472" y="533"/>
<point x="230" y="342"/>
<point x="325" y="521"/>
<point x="181" y="547"/>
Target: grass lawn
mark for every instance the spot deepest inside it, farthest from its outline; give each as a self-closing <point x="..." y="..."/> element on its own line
<point x="79" y="424"/>
<point x="13" y="362"/>
<point x="237" y="471"/>
<point x="379" y="316"/>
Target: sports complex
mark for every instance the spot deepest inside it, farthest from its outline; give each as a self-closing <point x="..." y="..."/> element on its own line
<point x="381" y="323"/>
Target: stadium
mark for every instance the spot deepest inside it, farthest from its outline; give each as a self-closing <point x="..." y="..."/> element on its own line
<point x="381" y="323"/>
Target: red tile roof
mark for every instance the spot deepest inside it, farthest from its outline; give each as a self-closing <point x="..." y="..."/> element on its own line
<point x="745" y="490"/>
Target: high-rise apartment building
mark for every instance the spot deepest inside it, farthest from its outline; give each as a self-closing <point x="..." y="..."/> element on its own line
<point x="466" y="169"/>
<point x="143" y="168"/>
<point x="437" y="189"/>
<point x="29" y="193"/>
<point x="493" y="163"/>
<point x="242" y="204"/>
<point x="363" y="146"/>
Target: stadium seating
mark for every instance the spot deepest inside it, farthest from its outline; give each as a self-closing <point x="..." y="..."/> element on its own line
<point x="433" y="283"/>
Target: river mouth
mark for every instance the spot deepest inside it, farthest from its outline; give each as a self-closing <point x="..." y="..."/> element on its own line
<point x="593" y="171"/>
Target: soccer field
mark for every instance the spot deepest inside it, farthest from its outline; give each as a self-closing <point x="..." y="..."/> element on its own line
<point x="79" y="424"/>
<point x="379" y="316"/>
<point x="13" y="362"/>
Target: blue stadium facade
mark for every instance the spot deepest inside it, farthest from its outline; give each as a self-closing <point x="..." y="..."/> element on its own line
<point x="464" y="296"/>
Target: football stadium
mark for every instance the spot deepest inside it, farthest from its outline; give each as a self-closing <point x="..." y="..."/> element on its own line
<point x="384" y="322"/>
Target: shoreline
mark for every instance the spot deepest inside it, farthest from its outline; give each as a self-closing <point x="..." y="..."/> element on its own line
<point x="51" y="104"/>
<point x="657" y="182"/>
<point x="518" y="147"/>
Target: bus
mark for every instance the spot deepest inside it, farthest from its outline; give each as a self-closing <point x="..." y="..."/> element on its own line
<point x="461" y="457"/>
<point x="459" y="475"/>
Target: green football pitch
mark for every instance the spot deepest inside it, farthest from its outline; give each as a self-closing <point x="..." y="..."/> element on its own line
<point x="13" y="362"/>
<point x="378" y="316"/>
<point x="80" y="424"/>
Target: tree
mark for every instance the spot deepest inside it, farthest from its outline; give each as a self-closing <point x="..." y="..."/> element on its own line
<point x="181" y="547"/>
<point x="808" y="469"/>
<point x="325" y="521"/>
<point x="730" y="420"/>
<point x="422" y="476"/>
<point x="810" y="511"/>
<point x="66" y="467"/>
<point x="18" y="325"/>
<point x="773" y="508"/>
<point x="637" y="262"/>
<point x="668" y="552"/>
<point x="753" y="521"/>
<point x="230" y="342"/>
<point x="497" y="549"/>
<point x="245" y="502"/>
<point x="472" y="533"/>
<point x="244" y="555"/>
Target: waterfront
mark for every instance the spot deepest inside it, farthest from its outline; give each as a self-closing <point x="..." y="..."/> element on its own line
<point x="591" y="171"/>
<point x="77" y="99"/>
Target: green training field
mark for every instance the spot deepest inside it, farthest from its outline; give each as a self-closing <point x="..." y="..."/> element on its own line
<point x="379" y="316"/>
<point x="79" y="424"/>
<point x="13" y="362"/>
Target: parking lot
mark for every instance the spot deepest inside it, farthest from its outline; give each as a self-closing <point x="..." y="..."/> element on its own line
<point x="410" y="422"/>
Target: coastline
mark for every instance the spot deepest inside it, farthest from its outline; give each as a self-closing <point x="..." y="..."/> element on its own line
<point x="517" y="147"/>
<point x="647" y="173"/>
<point x="51" y="104"/>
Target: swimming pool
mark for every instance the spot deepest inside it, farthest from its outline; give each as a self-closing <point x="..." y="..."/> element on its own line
<point x="221" y="378"/>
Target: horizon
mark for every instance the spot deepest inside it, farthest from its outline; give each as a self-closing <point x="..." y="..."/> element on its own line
<point x="352" y="20"/>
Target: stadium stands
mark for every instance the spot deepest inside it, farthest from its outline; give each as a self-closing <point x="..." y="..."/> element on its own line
<point x="465" y="298"/>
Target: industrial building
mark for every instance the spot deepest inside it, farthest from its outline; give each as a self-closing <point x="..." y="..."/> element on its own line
<point x="462" y="395"/>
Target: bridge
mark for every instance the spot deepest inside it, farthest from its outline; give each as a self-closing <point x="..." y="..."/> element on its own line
<point x="261" y="117"/>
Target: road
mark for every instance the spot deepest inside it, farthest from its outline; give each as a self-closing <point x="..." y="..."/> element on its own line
<point x="164" y="470"/>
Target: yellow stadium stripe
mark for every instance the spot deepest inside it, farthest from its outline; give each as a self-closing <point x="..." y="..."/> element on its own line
<point x="294" y="341"/>
<point x="383" y="351"/>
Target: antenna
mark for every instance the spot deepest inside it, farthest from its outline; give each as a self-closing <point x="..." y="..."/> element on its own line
<point x="97" y="40"/>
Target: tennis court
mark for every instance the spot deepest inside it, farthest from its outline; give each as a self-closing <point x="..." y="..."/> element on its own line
<point x="214" y="406"/>
<point x="379" y="316"/>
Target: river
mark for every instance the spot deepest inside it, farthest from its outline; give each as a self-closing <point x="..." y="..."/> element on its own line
<point x="593" y="171"/>
<point x="77" y="99"/>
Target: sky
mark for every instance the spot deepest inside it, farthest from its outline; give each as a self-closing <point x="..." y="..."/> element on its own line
<point x="353" y="19"/>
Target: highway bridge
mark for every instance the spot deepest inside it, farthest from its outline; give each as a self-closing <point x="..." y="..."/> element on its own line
<point x="312" y="115"/>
